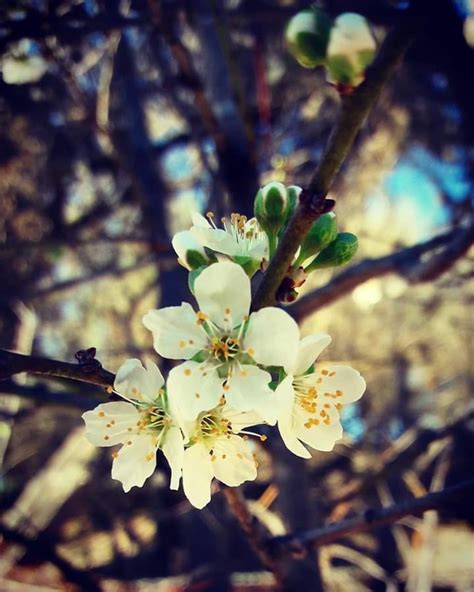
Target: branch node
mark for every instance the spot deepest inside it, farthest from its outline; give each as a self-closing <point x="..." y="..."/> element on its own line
<point x="87" y="360"/>
<point x="315" y="204"/>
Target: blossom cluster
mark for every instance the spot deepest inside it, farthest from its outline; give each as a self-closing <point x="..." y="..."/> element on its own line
<point x="238" y="369"/>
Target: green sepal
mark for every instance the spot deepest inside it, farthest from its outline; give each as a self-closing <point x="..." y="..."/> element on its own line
<point x="249" y="265"/>
<point x="193" y="275"/>
<point x="195" y="259"/>
<point x="339" y="252"/>
<point x="201" y="356"/>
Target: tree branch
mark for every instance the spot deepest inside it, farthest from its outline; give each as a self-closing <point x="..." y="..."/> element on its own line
<point x="406" y="262"/>
<point x="39" y="26"/>
<point x="354" y="111"/>
<point x="372" y="518"/>
<point x="90" y="372"/>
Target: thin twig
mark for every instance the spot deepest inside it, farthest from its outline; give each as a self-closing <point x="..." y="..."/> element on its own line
<point x="371" y="519"/>
<point x="354" y="111"/>
<point x="11" y="364"/>
<point x="238" y="506"/>
<point x="405" y="262"/>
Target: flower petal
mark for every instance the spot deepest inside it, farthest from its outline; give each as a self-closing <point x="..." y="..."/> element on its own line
<point x="322" y="437"/>
<point x="197" y="475"/>
<point x="285" y="396"/>
<point x="135" y="462"/>
<point x="233" y="461"/>
<point x="345" y="383"/>
<point x="111" y="423"/>
<point x="240" y="420"/>
<point x="133" y="381"/>
<point x="193" y="388"/>
<point x="176" y="332"/>
<point x="309" y="349"/>
<point x="173" y="449"/>
<point x="183" y="242"/>
<point x="223" y="293"/>
<point x="272" y="338"/>
<point x="216" y="239"/>
<point x="199" y="220"/>
<point x="248" y="390"/>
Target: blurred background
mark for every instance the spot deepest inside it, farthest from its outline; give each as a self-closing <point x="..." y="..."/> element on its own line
<point x="117" y="121"/>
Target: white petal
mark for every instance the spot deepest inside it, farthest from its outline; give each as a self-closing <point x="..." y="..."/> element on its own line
<point x="309" y="349"/>
<point x="216" y="239"/>
<point x="223" y="293"/>
<point x="233" y="462"/>
<point x="173" y="449"/>
<point x="248" y="390"/>
<point x="133" y="381"/>
<point x="193" y="388"/>
<point x="290" y="439"/>
<point x="197" y="475"/>
<point x="272" y="338"/>
<point x="135" y="462"/>
<point x="321" y="437"/>
<point x="343" y="381"/>
<point x="182" y="243"/>
<point x="200" y="221"/>
<point x="285" y="395"/>
<point x="241" y="420"/>
<point x="111" y="423"/>
<point x="176" y="332"/>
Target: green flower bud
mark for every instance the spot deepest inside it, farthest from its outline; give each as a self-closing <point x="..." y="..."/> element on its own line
<point x="307" y="36"/>
<point x="271" y="207"/>
<point x="351" y="49"/>
<point x="339" y="252"/>
<point x="293" y="193"/>
<point x="321" y="234"/>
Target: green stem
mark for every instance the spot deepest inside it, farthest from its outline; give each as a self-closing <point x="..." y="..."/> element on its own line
<point x="354" y="111"/>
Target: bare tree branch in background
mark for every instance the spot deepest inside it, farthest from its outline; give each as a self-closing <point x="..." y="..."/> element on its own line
<point x="407" y="263"/>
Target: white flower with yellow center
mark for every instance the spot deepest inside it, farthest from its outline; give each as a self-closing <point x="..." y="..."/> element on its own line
<point x="223" y="345"/>
<point x="311" y="397"/>
<point x="216" y="450"/>
<point x="142" y="423"/>
<point x="240" y="238"/>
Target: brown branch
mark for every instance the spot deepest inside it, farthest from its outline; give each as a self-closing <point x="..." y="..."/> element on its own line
<point x="400" y="454"/>
<point x="370" y="519"/>
<point x="354" y="111"/>
<point x="238" y="506"/>
<point x="406" y="262"/>
<point x="11" y="364"/>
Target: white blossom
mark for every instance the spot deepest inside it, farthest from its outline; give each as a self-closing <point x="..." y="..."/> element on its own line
<point x="311" y="397"/>
<point x="223" y="345"/>
<point x="215" y="449"/>
<point x="239" y="238"/>
<point x="142" y="424"/>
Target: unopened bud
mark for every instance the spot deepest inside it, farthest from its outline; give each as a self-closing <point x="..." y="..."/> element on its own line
<point x="307" y="36"/>
<point x="293" y="192"/>
<point x="350" y="51"/>
<point x="321" y="234"/>
<point x="271" y="207"/>
<point x="339" y="252"/>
